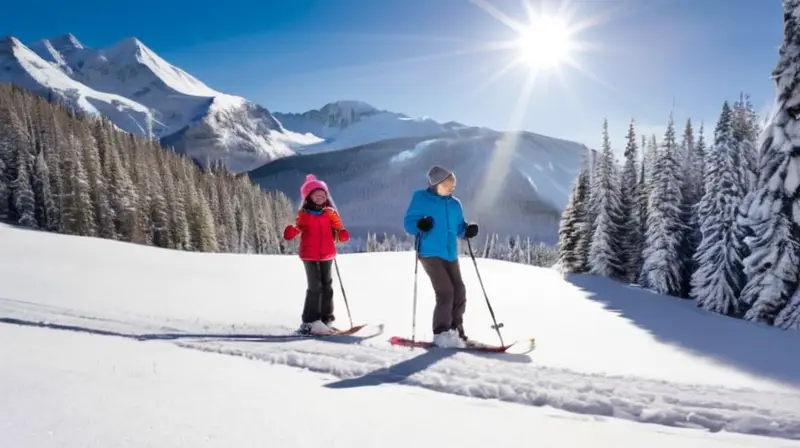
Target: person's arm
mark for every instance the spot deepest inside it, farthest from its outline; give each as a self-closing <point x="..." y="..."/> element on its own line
<point x="462" y="228"/>
<point x="341" y="234"/>
<point x="291" y="231"/>
<point x="414" y="213"/>
<point x="465" y="229"/>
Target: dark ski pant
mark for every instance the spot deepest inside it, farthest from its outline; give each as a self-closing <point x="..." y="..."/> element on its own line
<point x="319" y="293"/>
<point x="451" y="294"/>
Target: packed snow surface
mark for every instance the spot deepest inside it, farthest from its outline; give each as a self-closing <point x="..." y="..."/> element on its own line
<point x="75" y="374"/>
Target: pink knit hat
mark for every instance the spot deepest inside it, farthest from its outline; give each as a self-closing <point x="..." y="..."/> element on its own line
<point x="312" y="184"/>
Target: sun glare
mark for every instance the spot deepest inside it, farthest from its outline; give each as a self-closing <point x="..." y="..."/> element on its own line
<point x="545" y="44"/>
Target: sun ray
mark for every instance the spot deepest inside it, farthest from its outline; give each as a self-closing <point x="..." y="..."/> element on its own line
<point x="506" y="146"/>
<point x="494" y="77"/>
<point x="499" y="15"/>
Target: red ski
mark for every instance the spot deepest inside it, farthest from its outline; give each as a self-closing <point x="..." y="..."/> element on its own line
<point x="471" y="345"/>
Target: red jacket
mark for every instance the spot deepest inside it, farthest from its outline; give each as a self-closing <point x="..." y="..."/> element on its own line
<point x="318" y="234"/>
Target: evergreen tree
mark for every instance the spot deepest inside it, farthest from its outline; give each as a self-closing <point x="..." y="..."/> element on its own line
<point x="629" y="202"/>
<point x="23" y="197"/>
<point x="690" y="191"/>
<point x="45" y="202"/>
<point x="573" y="231"/>
<point x="663" y="263"/>
<point x="745" y="131"/>
<point x="605" y="253"/>
<point x="718" y="281"/>
<point x="773" y="266"/>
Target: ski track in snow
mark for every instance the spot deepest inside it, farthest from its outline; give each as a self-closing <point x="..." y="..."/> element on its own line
<point x="506" y="377"/>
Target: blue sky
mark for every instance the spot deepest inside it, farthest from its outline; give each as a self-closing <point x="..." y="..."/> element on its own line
<point x="413" y="56"/>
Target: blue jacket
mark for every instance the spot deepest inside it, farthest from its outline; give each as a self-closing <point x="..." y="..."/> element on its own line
<point x="448" y="223"/>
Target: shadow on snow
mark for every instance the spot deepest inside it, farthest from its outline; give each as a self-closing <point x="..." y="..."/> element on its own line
<point x="755" y="348"/>
<point x="249" y="337"/>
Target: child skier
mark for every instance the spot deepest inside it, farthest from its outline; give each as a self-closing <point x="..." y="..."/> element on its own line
<point x="319" y="227"/>
<point x="437" y="218"/>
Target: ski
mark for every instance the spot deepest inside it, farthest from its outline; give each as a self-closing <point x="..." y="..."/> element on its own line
<point x="471" y="345"/>
<point x="344" y="332"/>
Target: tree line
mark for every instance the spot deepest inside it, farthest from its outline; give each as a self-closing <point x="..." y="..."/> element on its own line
<point x="491" y="246"/>
<point x="704" y="222"/>
<point x="68" y="172"/>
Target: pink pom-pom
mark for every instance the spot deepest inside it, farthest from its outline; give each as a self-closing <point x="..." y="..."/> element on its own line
<point x="311" y="178"/>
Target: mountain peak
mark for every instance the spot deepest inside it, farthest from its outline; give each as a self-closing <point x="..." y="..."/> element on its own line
<point x="128" y="46"/>
<point x="10" y="42"/>
<point x="66" y="43"/>
<point x="354" y="106"/>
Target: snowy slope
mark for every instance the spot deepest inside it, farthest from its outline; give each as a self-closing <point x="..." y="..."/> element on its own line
<point x="73" y="390"/>
<point x="182" y="111"/>
<point x="521" y="190"/>
<point x="605" y="353"/>
<point x="346" y="124"/>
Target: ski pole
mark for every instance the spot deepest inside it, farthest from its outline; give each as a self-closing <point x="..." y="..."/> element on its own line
<point x="344" y="296"/>
<point x="496" y="326"/>
<point x="416" y="269"/>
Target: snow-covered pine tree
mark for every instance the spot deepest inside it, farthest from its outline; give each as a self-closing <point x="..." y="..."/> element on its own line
<point x="746" y="130"/>
<point x="773" y="266"/>
<point x="663" y="263"/>
<point x="78" y="212"/>
<point x="45" y="204"/>
<point x="718" y="280"/>
<point x="642" y="198"/>
<point x="23" y="198"/>
<point x="631" y="241"/>
<point x="690" y="191"/>
<point x="5" y="188"/>
<point x="573" y="231"/>
<point x="605" y="252"/>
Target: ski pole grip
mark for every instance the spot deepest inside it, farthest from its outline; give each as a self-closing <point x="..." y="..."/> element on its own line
<point x="498" y="326"/>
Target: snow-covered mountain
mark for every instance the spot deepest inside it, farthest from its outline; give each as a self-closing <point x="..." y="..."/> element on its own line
<point x="347" y="124"/>
<point x="21" y="66"/>
<point x="510" y="189"/>
<point x="191" y="350"/>
<point x="142" y="93"/>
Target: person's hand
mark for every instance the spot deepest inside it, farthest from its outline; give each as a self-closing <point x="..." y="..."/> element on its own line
<point x="425" y="224"/>
<point x="290" y="233"/>
<point x="343" y="236"/>
<point x="471" y="231"/>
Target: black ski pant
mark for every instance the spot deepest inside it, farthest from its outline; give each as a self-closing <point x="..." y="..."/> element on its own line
<point x="319" y="293"/>
<point x="451" y="294"/>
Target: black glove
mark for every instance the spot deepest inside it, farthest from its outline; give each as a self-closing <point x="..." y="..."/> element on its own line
<point x="471" y="231"/>
<point x="425" y="224"/>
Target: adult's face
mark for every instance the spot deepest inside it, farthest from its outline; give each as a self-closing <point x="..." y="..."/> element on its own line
<point x="447" y="186"/>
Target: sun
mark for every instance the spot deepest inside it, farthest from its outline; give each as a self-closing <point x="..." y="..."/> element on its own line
<point x="545" y="43"/>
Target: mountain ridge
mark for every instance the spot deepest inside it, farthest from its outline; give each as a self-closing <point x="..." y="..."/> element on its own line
<point x="143" y="94"/>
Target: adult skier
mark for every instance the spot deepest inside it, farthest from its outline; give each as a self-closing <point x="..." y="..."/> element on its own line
<point x="437" y="220"/>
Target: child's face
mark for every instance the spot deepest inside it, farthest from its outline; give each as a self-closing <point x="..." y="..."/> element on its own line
<point x="319" y="197"/>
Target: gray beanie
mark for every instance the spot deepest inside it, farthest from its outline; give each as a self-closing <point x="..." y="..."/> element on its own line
<point x="437" y="175"/>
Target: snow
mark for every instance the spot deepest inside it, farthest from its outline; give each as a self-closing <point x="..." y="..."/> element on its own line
<point x="160" y="395"/>
<point x="347" y="124"/>
<point x="20" y="65"/>
<point x="614" y="366"/>
<point x="142" y="93"/>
